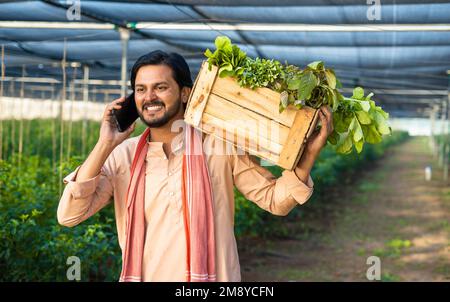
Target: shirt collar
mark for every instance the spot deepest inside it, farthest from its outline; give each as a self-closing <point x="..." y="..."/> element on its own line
<point x="156" y="148"/>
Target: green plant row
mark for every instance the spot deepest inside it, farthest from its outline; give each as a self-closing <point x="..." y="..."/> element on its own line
<point x="35" y="248"/>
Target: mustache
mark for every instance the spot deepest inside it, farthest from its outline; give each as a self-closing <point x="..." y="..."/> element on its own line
<point x="156" y="102"/>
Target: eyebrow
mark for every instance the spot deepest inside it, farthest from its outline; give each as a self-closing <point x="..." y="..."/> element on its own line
<point x="155" y="84"/>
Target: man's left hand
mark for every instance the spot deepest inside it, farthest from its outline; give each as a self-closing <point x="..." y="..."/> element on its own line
<point x="315" y="143"/>
<point x="318" y="139"/>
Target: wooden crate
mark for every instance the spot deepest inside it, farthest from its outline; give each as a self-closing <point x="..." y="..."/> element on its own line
<point x="219" y="106"/>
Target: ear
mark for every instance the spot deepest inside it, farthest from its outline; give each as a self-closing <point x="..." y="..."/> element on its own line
<point x="185" y="92"/>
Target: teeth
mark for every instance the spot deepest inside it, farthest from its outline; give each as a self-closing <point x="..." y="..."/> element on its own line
<point x="153" y="107"/>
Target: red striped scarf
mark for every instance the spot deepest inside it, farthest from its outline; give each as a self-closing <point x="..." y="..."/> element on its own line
<point x="198" y="214"/>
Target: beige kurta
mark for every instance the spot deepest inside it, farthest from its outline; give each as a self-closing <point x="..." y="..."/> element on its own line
<point x="165" y="245"/>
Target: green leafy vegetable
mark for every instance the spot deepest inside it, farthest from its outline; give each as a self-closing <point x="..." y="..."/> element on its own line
<point x="229" y="58"/>
<point x="356" y="119"/>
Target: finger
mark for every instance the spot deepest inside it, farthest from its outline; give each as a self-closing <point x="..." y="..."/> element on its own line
<point x="108" y="114"/>
<point x="329" y="116"/>
<point x="323" y="117"/>
<point x="326" y="111"/>
<point x="113" y="105"/>
<point x="119" y="100"/>
<point x="132" y="127"/>
<point x="323" y="120"/>
<point x="313" y="135"/>
<point x="110" y="107"/>
<point x="329" y="125"/>
<point x="324" y="130"/>
<point x="116" y="107"/>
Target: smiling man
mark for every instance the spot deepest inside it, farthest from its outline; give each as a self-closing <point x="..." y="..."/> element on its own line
<point x="174" y="202"/>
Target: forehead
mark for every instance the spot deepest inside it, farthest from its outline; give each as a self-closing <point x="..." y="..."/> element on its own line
<point x="150" y="74"/>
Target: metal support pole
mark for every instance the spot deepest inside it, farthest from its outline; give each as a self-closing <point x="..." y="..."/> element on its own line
<point x="442" y="140"/>
<point x="53" y="119"/>
<point x="61" y="112"/>
<point x="11" y="87"/>
<point x="124" y="37"/>
<point x="22" y="96"/>
<point x="72" y="99"/>
<point x="85" y="100"/>
<point x="1" y="98"/>
<point x="434" y="112"/>
<point x="431" y="138"/>
<point x="106" y="97"/>
<point x="447" y="138"/>
<point x="12" y="91"/>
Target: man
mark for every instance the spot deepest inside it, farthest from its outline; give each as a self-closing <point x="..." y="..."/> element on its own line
<point x="174" y="207"/>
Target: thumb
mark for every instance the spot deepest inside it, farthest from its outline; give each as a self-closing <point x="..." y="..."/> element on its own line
<point x="131" y="128"/>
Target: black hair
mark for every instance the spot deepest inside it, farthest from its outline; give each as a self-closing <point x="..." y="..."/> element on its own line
<point x="176" y="62"/>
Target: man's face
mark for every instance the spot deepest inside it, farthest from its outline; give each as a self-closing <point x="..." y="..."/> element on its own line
<point x="157" y="95"/>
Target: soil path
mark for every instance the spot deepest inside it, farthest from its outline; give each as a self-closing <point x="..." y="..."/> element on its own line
<point x="390" y="212"/>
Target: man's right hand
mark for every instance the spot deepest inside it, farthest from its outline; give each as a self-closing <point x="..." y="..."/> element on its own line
<point x="109" y="134"/>
<point x="110" y="137"/>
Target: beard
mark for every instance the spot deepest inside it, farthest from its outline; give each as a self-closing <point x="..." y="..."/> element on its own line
<point x="156" y="122"/>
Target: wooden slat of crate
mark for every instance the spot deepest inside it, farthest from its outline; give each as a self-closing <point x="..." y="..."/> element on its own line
<point x="200" y="94"/>
<point x="241" y="134"/>
<point x="301" y="129"/>
<point x="271" y="135"/>
<point x="230" y="134"/>
<point x="261" y="100"/>
<point x="221" y="108"/>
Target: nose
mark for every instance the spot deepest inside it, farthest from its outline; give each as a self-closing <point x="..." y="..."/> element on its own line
<point x="149" y="95"/>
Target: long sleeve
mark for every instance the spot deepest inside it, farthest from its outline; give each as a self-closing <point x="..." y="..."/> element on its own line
<point x="275" y="195"/>
<point x="82" y="199"/>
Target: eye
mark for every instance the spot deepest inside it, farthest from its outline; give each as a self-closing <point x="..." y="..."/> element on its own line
<point x="140" y="89"/>
<point x="161" y="88"/>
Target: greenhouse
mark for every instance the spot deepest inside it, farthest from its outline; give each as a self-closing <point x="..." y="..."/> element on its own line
<point x="335" y="114"/>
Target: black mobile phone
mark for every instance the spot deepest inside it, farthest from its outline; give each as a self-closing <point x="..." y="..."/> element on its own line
<point x="126" y="115"/>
